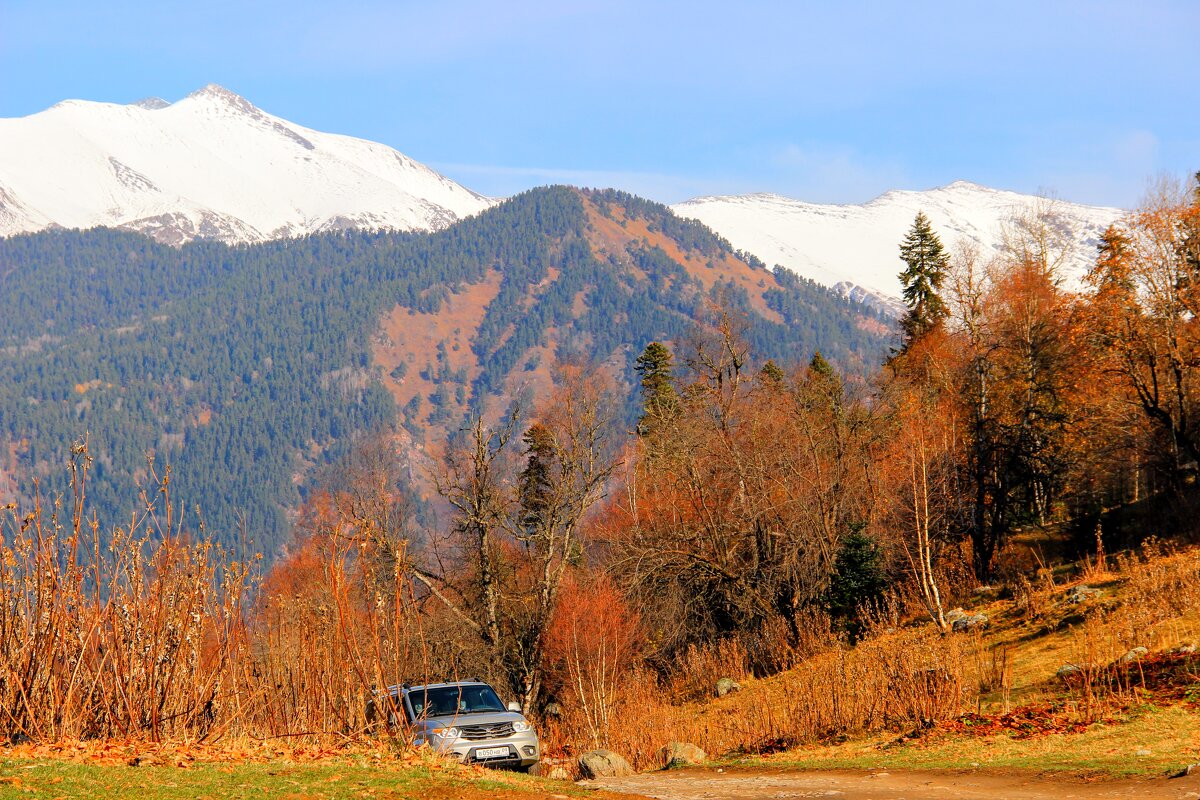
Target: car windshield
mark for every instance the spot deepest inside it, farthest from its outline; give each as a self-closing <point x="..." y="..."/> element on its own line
<point x="450" y="700"/>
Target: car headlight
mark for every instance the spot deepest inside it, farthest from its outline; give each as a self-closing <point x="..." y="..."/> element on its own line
<point x="520" y="726"/>
<point x="446" y="733"/>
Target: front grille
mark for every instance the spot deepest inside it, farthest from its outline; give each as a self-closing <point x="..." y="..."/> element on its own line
<point x="479" y="733"/>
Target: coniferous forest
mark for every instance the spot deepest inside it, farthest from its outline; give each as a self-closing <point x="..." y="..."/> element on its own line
<point x="247" y="369"/>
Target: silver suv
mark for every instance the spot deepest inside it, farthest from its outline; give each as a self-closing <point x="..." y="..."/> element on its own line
<point x="467" y="719"/>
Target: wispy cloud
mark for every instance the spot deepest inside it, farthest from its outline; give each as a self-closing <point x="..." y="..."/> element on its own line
<point x="832" y="174"/>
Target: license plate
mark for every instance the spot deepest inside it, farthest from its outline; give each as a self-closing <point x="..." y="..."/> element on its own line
<point x="491" y="752"/>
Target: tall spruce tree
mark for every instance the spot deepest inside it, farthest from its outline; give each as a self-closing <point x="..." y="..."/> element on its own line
<point x="927" y="262"/>
<point x="659" y="398"/>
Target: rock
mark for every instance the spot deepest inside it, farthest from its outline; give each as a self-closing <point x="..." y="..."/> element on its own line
<point x="1185" y="649"/>
<point x="1190" y="769"/>
<point x="954" y="615"/>
<point x="1136" y="654"/>
<point x="987" y="592"/>
<point x="603" y="764"/>
<point x="969" y="623"/>
<point x="558" y="773"/>
<point x="1083" y="593"/>
<point x="1068" y="671"/>
<point x="552" y="710"/>
<point x="1145" y="752"/>
<point x="682" y="754"/>
<point x="727" y="686"/>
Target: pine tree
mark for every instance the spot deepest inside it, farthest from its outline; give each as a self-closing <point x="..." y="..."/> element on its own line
<point x="535" y="484"/>
<point x="659" y="398"/>
<point x="771" y="375"/>
<point x="927" y="263"/>
<point x="818" y="366"/>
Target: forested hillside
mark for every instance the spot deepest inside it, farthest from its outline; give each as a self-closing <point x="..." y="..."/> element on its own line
<point x="246" y="367"/>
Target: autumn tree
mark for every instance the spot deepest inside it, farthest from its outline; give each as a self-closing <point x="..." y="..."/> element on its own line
<point x="736" y="521"/>
<point x="593" y="646"/>
<point x="568" y="462"/>
<point x="923" y="467"/>
<point x="1147" y="297"/>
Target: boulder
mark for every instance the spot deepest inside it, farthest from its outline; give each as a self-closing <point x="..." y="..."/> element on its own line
<point x="1136" y="654"/>
<point x="954" y="615"/>
<point x="1083" y="593"/>
<point x="969" y="623"/>
<point x="603" y="764"/>
<point x="558" y="773"/>
<point x="1185" y="649"/>
<point x="682" y="754"/>
<point x="1068" y="671"/>
<point x="727" y="686"/>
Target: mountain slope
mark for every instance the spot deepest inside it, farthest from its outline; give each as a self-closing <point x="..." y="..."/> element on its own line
<point x="857" y="246"/>
<point x="251" y="368"/>
<point x="210" y="166"/>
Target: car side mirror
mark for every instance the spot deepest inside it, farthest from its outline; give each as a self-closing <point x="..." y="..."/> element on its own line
<point x="513" y="705"/>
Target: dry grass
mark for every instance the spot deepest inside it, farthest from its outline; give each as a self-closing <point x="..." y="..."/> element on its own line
<point x="1152" y="743"/>
<point x="906" y="679"/>
<point x="146" y="635"/>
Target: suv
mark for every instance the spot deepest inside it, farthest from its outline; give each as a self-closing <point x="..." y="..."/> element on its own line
<point x="466" y="719"/>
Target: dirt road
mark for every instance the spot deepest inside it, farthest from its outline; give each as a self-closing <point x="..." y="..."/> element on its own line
<point x="901" y="785"/>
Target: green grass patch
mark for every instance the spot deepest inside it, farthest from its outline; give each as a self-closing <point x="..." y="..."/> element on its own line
<point x="52" y="778"/>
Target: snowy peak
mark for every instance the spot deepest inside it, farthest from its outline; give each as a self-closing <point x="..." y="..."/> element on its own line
<point x="212" y="165"/>
<point x="855" y="248"/>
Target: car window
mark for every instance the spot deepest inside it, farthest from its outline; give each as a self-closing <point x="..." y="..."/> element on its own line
<point x="450" y="700"/>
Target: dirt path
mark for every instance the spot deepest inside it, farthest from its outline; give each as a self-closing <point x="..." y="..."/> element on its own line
<point x="900" y="785"/>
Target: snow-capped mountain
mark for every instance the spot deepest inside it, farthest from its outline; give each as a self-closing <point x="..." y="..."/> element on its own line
<point x="855" y="248"/>
<point x="211" y="165"/>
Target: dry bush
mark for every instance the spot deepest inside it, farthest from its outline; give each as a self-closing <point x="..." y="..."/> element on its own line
<point x="1164" y="583"/>
<point x="1161" y="592"/>
<point x="993" y="666"/>
<point x="145" y="634"/>
<point x="1034" y="599"/>
<point x="593" y="645"/>
<point x="136" y="635"/>
<point x="902" y="680"/>
<point x="779" y="644"/>
<point x="697" y="671"/>
<point x="1101" y="682"/>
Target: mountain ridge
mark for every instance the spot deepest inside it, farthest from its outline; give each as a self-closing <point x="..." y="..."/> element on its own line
<point x="211" y="165"/>
<point x="854" y="246"/>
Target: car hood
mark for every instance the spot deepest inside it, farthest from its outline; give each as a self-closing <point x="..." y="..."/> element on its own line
<point x="486" y="718"/>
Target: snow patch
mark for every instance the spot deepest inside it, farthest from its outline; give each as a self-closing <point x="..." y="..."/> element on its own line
<point x="211" y="165"/>
<point x="856" y="247"/>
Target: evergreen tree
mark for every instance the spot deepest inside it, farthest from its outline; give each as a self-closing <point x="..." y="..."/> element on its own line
<point x="819" y="367"/>
<point x="771" y="374"/>
<point x="927" y="263"/>
<point x="659" y="398"/>
<point x="858" y="578"/>
<point x="535" y="483"/>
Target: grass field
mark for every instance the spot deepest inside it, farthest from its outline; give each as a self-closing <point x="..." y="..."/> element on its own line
<point x="353" y="777"/>
<point x="1152" y="741"/>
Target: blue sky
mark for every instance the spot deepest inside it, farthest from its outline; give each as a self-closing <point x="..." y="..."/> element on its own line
<point x="828" y="102"/>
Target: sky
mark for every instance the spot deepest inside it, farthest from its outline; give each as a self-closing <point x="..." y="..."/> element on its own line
<point x="821" y="101"/>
